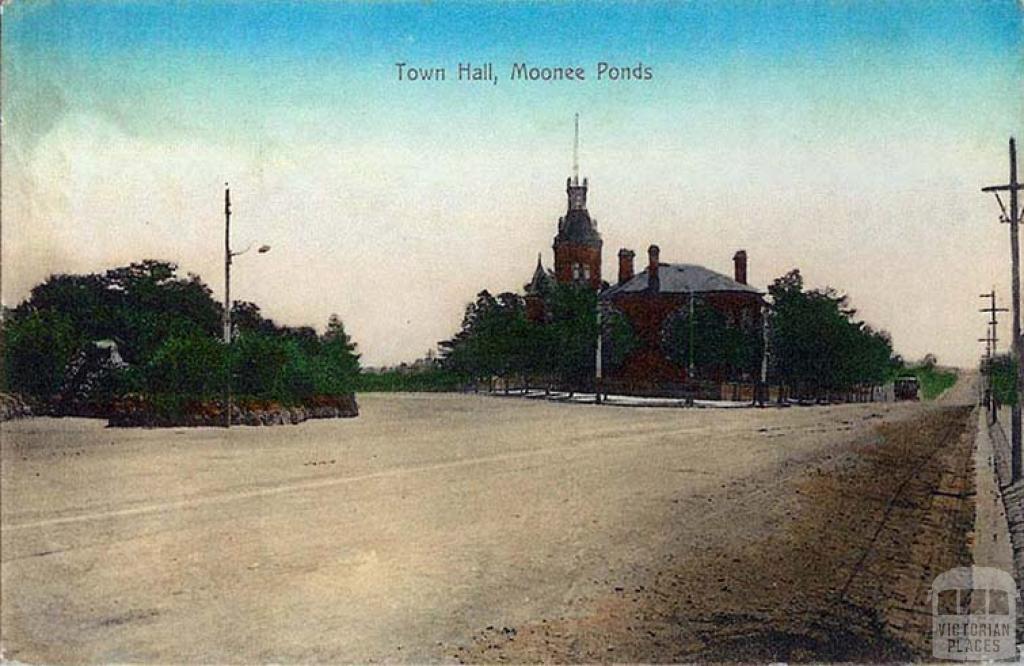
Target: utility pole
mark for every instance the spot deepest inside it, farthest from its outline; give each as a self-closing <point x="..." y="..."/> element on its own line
<point x="991" y="339"/>
<point x="228" y="256"/>
<point x="988" y="342"/>
<point x="993" y="322"/>
<point x="1013" y="217"/>
<point x="227" y="265"/>
<point x="227" y="305"/>
<point x="988" y="389"/>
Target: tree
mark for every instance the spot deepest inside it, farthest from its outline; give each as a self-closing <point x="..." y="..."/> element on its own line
<point x="1002" y="370"/>
<point x="817" y="345"/>
<point x="37" y="347"/>
<point x="720" y="348"/>
<point x="138" y="306"/>
<point x="618" y="339"/>
<point x="147" y="303"/>
<point x="573" y="334"/>
<point x="168" y="330"/>
<point x="247" y="317"/>
<point x="337" y="363"/>
<point x="496" y="340"/>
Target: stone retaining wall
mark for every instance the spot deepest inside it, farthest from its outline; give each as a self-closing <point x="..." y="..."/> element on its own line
<point x="139" y="414"/>
<point x="13" y="407"/>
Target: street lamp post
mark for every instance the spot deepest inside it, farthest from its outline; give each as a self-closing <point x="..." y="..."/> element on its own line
<point x="228" y="256"/>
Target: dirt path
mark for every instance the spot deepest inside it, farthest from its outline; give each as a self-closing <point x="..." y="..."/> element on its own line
<point x="397" y="535"/>
<point x="840" y="571"/>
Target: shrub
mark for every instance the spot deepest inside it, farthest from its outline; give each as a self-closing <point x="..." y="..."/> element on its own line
<point x="193" y="365"/>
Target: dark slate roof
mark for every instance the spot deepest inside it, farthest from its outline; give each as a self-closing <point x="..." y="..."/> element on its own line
<point x="577" y="227"/>
<point x="541" y="281"/>
<point x="681" y="279"/>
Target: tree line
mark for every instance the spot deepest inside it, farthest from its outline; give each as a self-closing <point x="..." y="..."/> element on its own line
<point x="167" y="330"/>
<point x="497" y="340"/>
<point x="815" y="343"/>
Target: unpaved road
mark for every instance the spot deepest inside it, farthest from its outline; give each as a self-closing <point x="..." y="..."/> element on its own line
<point x="574" y="532"/>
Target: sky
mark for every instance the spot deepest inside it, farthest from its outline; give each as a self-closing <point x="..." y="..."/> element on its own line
<point x="847" y="139"/>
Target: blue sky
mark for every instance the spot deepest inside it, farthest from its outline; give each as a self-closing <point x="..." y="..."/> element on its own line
<point x="846" y="138"/>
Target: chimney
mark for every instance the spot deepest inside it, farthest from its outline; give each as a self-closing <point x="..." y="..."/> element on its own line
<point x="653" y="281"/>
<point x="625" y="265"/>
<point x="739" y="263"/>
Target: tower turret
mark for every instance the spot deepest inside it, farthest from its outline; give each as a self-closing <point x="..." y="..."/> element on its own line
<point x="578" y="244"/>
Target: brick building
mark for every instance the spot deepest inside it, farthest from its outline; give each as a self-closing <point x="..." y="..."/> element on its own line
<point x="653" y="301"/>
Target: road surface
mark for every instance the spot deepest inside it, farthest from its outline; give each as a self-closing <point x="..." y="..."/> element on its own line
<point x="451" y="527"/>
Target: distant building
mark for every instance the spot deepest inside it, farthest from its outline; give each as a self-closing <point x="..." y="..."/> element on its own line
<point x="653" y="301"/>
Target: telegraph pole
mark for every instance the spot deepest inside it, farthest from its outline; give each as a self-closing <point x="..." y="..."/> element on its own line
<point x="1013" y="217"/>
<point x="991" y="340"/>
<point x="988" y="392"/>
<point x="227" y="304"/>
<point x="227" y="265"/>
<point x="993" y="322"/>
<point x="988" y="342"/>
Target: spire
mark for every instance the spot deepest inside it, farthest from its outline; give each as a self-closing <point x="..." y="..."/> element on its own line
<point x="576" y="150"/>
<point x="540" y="281"/>
<point x="576" y="190"/>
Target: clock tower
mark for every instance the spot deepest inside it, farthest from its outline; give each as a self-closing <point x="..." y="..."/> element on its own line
<point x="578" y="244"/>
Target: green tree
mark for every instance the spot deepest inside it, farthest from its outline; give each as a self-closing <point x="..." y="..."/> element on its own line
<point x="573" y="335"/>
<point x="190" y="366"/>
<point x="167" y="328"/>
<point x="37" y="348"/>
<point x="817" y="345"/>
<point x="1002" y="368"/>
<point x="336" y="366"/>
<point x="258" y="366"/>
<point x="138" y="306"/>
<point x="618" y="339"/>
<point x="495" y="340"/>
<point x="720" y="348"/>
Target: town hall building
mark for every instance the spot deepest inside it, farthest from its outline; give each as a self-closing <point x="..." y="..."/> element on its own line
<point x="655" y="300"/>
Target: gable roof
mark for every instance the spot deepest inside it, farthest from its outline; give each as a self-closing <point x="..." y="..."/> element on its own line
<point x="681" y="279"/>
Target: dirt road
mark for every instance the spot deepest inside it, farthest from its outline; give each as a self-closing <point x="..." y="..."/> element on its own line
<point x="572" y="531"/>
